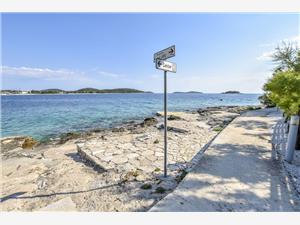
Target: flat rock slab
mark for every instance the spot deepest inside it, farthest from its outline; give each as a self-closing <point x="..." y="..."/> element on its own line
<point x="144" y="150"/>
<point x="63" y="205"/>
<point x="236" y="173"/>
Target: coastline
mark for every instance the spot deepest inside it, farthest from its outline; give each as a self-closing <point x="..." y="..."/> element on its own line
<point x="174" y="93"/>
<point x="47" y="116"/>
<point x="128" y="169"/>
<point x="61" y="138"/>
<point x="78" y="93"/>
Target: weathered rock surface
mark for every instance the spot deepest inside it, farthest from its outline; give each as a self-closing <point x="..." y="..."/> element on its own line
<point x="170" y="128"/>
<point x="149" y="121"/>
<point x="10" y="143"/>
<point x="29" y="143"/>
<point x="103" y="170"/>
<point x="174" y="117"/>
<point x="65" y="205"/>
<point x="17" y="146"/>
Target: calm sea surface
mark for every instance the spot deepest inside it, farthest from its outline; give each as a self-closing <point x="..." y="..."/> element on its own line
<point x="45" y="116"/>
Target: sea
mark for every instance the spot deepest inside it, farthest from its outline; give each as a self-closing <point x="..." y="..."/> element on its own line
<point x="48" y="116"/>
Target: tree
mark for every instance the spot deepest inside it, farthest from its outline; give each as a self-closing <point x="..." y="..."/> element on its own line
<point x="265" y="100"/>
<point x="284" y="87"/>
<point x="287" y="56"/>
<point x="284" y="90"/>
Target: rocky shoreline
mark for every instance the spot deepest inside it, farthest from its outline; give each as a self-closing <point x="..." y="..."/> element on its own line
<point x="117" y="169"/>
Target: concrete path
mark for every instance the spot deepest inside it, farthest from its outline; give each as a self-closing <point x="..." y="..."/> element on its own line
<point x="237" y="172"/>
<point x="62" y="205"/>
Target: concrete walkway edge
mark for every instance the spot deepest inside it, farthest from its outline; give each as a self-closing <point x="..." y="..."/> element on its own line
<point x="236" y="173"/>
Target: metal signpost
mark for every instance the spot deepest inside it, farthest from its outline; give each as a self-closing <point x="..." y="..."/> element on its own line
<point x="161" y="64"/>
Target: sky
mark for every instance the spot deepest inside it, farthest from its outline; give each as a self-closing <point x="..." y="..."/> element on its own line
<point x="214" y="52"/>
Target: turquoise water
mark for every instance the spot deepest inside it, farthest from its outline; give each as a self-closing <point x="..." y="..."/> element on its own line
<point x="45" y="116"/>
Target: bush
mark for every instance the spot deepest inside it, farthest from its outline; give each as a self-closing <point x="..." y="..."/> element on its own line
<point x="266" y="101"/>
<point x="146" y="186"/>
<point x="284" y="90"/>
<point x="217" y="129"/>
<point x="160" y="190"/>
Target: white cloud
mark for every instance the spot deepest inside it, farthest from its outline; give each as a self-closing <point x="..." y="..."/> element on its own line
<point x="107" y="74"/>
<point x="52" y="74"/>
<point x="100" y="72"/>
<point x="267" y="55"/>
<point x="267" y="45"/>
<point x="294" y="39"/>
<point x="244" y="81"/>
<point x="74" y="78"/>
<point x="43" y="73"/>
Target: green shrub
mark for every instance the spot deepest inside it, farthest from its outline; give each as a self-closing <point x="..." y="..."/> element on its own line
<point x="146" y="186"/>
<point x="284" y="90"/>
<point x="156" y="170"/>
<point x="160" y="190"/>
<point x="217" y="129"/>
<point x="266" y="101"/>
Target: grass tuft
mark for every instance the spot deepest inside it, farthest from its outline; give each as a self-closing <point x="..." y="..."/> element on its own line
<point x="146" y="186"/>
<point x="160" y="190"/>
<point x="217" y="129"/>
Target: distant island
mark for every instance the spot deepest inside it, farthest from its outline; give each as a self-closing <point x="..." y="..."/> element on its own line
<point x="231" y="92"/>
<point x="188" y="92"/>
<point x="83" y="90"/>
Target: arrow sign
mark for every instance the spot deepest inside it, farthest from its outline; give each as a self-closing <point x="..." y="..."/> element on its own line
<point x="161" y="64"/>
<point x="166" y="66"/>
<point x="165" y="54"/>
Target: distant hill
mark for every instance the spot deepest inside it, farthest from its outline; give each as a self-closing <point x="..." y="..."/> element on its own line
<point x="11" y="92"/>
<point x="48" y="91"/>
<point x="85" y="90"/>
<point x="188" y="92"/>
<point x="116" y="90"/>
<point x="231" y="92"/>
<point x="82" y="90"/>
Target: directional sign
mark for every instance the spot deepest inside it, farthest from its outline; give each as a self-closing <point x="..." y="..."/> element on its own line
<point x="165" y="54"/>
<point x="161" y="64"/>
<point x="166" y="66"/>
